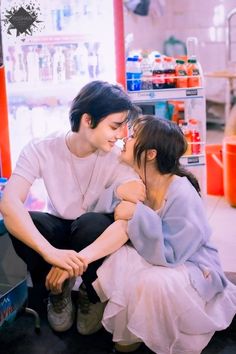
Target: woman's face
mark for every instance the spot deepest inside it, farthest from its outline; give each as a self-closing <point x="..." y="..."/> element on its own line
<point x="127" y="153"/>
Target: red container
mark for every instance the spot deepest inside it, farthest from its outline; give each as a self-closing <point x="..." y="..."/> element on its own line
<point x="229" y="160"/>
<point x="214" y="167"/>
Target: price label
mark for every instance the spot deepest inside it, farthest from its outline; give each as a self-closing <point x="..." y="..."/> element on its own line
<point x="192" y="92"/>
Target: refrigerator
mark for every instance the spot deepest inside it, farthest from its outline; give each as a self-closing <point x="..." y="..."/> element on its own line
<point x="50" y="50"/>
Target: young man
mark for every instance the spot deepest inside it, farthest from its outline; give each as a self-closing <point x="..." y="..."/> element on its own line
<point x="85" y="180"/>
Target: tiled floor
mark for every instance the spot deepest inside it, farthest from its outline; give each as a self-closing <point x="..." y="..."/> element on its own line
<point x="222" y="218"/>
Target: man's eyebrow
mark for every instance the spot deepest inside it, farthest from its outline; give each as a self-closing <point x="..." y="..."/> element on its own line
<point x="120" y="123"/>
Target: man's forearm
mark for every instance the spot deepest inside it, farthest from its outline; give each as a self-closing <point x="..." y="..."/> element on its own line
<point x="19" y="223"/>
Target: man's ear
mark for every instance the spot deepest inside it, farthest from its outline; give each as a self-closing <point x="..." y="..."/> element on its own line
<point x="151" y="154"/>
<point x="86" y="120"/>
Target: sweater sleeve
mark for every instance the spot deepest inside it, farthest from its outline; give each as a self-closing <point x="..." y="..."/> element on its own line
<point x="108" y="199"/>
<point x="174" y="236"/>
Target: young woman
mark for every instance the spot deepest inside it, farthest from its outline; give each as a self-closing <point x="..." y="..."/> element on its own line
<point x="166" y="288"/>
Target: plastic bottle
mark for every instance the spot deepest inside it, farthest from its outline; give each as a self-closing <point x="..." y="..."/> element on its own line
<point x="19" y="69"/>
<point x="169" y="72"/>
<point x="158" y="75"/>
<point x="45" y="64"/>
<point x="194" y="79"/>
<point x="32" y="60"/>
<point x="70" y="62"/>
<point x="146" y="69"/>
<point x="195" y="136"/>
<point x="181" y="74"/>
<point x="81" y="54"/>
<point x="133" y="74"/>
<point x="187" y="133"/>
<point x="59" y="65"/>
<point x="192" y="47"/>
<point x="92" y="64"/>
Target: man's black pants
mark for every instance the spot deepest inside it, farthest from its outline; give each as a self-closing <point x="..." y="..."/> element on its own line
<point x="64" y="234"/>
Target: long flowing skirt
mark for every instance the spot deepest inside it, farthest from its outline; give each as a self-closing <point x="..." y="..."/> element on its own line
<point x="158" y="306"/>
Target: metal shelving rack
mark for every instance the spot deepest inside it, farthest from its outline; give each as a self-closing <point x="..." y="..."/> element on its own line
<point x="194" y="107"/>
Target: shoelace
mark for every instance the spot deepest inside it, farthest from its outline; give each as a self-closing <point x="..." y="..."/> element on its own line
<point x="83" y="301"/>
<point x="59" y="302"/>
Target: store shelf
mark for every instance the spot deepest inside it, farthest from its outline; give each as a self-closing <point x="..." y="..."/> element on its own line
<point x="41" y="90"/>
<point x="193" y="160"/>
<point x="56" y="38"/>
<point x="166" y="94"/>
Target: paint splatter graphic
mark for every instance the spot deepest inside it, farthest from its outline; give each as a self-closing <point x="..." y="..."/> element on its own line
<point x="22" y="20"/>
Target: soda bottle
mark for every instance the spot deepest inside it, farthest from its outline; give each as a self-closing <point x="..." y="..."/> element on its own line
<point x="181" y="74"/>
<point x="169" y="72"/>
<point x="187" y="133"/>
<point x="193" y="72"/>
<point x="158" y="81"/>
<point x="133" y="74"/>
<point x="146" y="69"/>
<point x="195" y="136"/>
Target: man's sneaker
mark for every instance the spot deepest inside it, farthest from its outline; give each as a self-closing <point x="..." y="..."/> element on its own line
<point x="61" y="311"/>
<point x="89" y="315"/>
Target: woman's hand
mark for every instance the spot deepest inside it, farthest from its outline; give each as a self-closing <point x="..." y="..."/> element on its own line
<point x="55" y="279"/>
<point x="132" y="191"/>
<point x="124" y="210"/>
<point x="68" y="260"/>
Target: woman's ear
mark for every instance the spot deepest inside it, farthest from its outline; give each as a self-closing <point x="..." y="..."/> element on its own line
<point x="151" y="154"/>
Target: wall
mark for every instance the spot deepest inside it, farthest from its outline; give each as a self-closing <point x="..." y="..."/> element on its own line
<point x="203" y="19"/>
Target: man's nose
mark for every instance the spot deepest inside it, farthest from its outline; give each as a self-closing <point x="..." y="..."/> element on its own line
<point x="122" y="132"/>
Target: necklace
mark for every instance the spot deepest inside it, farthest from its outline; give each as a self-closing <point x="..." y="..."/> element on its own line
<point x="75" y="175"/>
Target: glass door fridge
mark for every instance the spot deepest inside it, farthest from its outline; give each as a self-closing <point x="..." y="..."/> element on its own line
<point x="50" y="50"/>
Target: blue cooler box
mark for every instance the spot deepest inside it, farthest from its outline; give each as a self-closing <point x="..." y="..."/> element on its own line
<point x="12" y="299"/>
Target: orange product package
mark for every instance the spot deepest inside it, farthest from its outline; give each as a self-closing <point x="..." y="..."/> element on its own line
<point x="194" y="79"/>
<point x="181" y="74"/>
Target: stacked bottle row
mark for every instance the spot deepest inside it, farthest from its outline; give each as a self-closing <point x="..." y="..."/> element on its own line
<point x="191" y="130"/>
<point x="163" y="72"/>
<point x="32" y="63"/>
<point x="64" y="15"/>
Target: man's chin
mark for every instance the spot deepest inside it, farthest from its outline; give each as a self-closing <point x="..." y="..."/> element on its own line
<point x="106" y="148"/>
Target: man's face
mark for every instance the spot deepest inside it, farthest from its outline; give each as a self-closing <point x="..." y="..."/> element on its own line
<point x="108" y="131"/>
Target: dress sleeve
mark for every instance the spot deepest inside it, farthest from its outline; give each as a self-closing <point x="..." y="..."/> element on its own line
<point x="173" y="236"/>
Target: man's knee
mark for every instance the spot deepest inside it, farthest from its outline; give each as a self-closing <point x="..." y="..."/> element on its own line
<point x="88" y="227"/>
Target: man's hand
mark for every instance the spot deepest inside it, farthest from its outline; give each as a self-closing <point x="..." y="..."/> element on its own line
<point x="132" y="191"/>
<point x="68" y="260"/>
<point x="55" y="279"/>
<point x="124" y="210"/>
